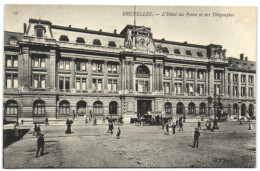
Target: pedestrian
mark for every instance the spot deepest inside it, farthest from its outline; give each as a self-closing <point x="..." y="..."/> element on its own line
<point x="209" y="127"/>
<point x="163" y="125"/>
<point x="112" y="127"/>
<point x="34" y="129"/>
<point x="177" y="123"/>
<point x="38" y="129"/>
<point x="40" y="144"/>
<point x="46" y="121"/>
<point x="181" y="126"/>
<point x="173" y="128"/>
<point x="16" y="131"/>
<point x="118" y="133"/>
<point x="199" y="125"/>
<point x="167" y="128"/>
<point x="250" y="125"/>
<point x="68" y="123"/>
<point x="109" y="126"/>
<point x="196" y="138"/>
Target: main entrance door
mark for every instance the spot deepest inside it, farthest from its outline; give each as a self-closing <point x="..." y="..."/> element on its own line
<point x="143" y="107"/>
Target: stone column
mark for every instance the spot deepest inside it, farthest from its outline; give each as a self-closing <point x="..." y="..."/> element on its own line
<point x="211" y="80"/>
<point x="246" y="95"/>
<point x="127" y="75"/>
<point x="239" y="86"/>
<point x="184" y="80"/>
<point x="105" y="77"/>
<point x="195" y="80"/>
<point x="131" y="76"/>
<point x="90" y="81"/>
<point x="73" y="79"/>
<point x="26" y="69"/>
<point x="123" y="75"/>
<point x="231" y="85"/>
<point x="226" y="83"/>
<point x="161" y="77"/>
<point x="52" y="71"/>
<point x="207" y="82"/>
<point x="172" y="80"/>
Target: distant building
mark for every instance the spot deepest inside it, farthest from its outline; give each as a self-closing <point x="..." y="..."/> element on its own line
<point x="56" y="71"/>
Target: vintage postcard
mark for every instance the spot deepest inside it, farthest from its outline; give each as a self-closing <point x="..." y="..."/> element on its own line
<point x="92" y="86"/>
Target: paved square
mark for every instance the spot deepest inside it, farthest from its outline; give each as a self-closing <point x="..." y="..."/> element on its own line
<point x="139" y="146"/>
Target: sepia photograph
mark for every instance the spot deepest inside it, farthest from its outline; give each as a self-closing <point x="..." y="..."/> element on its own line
<point x="129" y="86"/>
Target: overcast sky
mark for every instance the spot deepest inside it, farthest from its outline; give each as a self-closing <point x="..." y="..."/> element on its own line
<point x="237" y="34"/>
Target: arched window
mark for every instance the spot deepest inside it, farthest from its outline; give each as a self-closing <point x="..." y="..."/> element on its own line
<point x="64" y="107"/>
<point x="243" y="110"/>
<point x="113" y="108"/>
<point x="81" y="107"/>
<point x="202" y="109"/>
<point x="98" y="108"/>
<point x="251" y="110"/>
<point x="191" y="109"/>
<point x="142" y="72"/>
<point x="235" y="108"/>
<point x="168" y="108"/>
<point x="11" y="107"/>
<point x="39" y="107"/>
<point x="180" y="108"/>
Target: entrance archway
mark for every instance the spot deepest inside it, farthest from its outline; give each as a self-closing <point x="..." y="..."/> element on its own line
<point x="143" y="107"/>
<point x="251" y="110"/>
<point x="81" y="108"/>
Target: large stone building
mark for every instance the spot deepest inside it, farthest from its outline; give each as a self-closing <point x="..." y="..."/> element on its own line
<point x="59" y="71"/>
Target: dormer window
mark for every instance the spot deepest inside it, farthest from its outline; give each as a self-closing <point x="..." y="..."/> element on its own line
<point x="188" y="52"/>
<point x="96" y="42"/>
<point x="64" y="38"/>
<point x="177" y="51"/>
<point x="80" y="40"/>
<point x="39" y="30"/>
<point x="165" y="50"/>
<point x="199" y="54"/>
<point x="13" y="40"/>
<point x="111" y="44"/>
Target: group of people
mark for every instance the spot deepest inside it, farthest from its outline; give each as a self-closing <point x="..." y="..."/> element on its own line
<point x="111" y="127"/>
<point x="40" y="139"/>
<point x="170" y="124"/>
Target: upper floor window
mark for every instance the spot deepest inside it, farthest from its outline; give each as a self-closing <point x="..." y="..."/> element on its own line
<point x="166" y="87"/>
<point x="112" y="68"/>
<point x="11" y="61"/>
<point x="199" y="54"/>
<point x="39" y="81"/>
<point x="189" y="88"/>
<point x="200" y="88"/>
<point x="235" y="78"/>
<point x="97" y="84"/>
<point x="250" y="91"/>
<point x="64" y="83"/>
<point x="217" y="75"/>
<point x="111" y="44"/>
<point x="243" y="78"/>
<point x="64" y="65"/>
<point x="166" y="72"/>
<point x="11" y="80"/>
<point x="39" y="62"/>
<point x="142" y="71"/>
<point x="81" y="84"/>
<point x="177" y="51"/>
<point x="228" y="77"/>
<point x="81" y="66"/>
<point x="80" y="40"/>
<point x="178" y="88"/>
<point x="13" y="40"/>
<point x="217" y="89"/>
<point x="190" y="74"/>
<point x="188" y="52"/>
<point x="178" y="73"/>
<point x="201" y="74"/>
<point x="39" y="30"/>
<point x="243" y="91"/>
<point x="97" y="66"/>
<point x="235" y="91"/>
<point x="96" y="42"/>
<point x="112" y="85"/>
<point x="250" y="78"/>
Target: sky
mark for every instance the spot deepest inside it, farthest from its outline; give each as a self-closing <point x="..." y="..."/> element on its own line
<point x="236" y="33"/>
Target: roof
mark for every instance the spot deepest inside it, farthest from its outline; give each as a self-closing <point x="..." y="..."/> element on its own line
<point x="8" y="34"/>
<point x="236" y="64"/>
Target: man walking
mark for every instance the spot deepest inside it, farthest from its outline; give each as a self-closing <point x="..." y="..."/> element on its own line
<point x="196" y="138"/>
<point x="199" y="125"/>
<point x="181" y="126"/>
<point x="40" y="144"/>
<point x="173" y="128"/>
<point x="167" y="128"/>
<point x="118" y="133"/>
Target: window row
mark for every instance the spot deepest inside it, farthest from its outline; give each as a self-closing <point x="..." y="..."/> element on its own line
<point x="242" y="91"/>
<point x="242" y="78"/>
<point x="190" y="74"/>
<point x="180" y="109"/>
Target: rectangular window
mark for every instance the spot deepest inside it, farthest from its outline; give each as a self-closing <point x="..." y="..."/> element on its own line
<point x="114" y="85"/>
<point x="217" y="75"/>
<point x="166" y="72"/>
<point x="250" y="92"/>
<point x="235" y="78"/>
<point x="39" y="81"/>
<point x="78" y="83"/>
<point x="251" y="79"/>
<point x="112" y="68"/>
<point x="97" y="84"/>
<point x="61" y="83"/>
<point x="11" y="61"/>
<point x="235" y="91"/>
<point x="81" y="66"/>
<point x="11" y="81"/>
<point x="243" y="91"/>
<point x="243" y="78"/>
<point x="81" y="83"/>
<point x="228" y="77"/>
<point x="229" y="90"/>
<point x="67" y="83"/>
<point x="61" y="64"/>
<point x="178" y="88"/>
<point x="78" y="66"/>
<point x="39" y="62"/>
<point x="200" y="88"/>
<point x="217" y="89"/>
<point x="36" y="62"/>
<point x="97" y="66"/>
<point x="64" y="83"/>
<point x="201" y="75"/>
<point x="67" y="65"/>
<point x="84" y="84"/>
<point x="178" y="73"/>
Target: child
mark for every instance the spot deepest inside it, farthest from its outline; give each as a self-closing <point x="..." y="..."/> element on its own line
<point x="118" y="133"/>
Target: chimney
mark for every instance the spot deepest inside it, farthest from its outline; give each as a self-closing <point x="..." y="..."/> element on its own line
<point x="115" y="31"/>
<point x="163" y="39"/>
<point x="69" y="26"/>
<point x="245" y="58"/>
<point x="24" y="27"/>
<point x="86" y="28"/>
<point x="241" y="56"/>
<point x="100" y="30"/>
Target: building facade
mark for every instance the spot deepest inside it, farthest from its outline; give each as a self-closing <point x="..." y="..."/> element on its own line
<point x="55" y="71"/>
